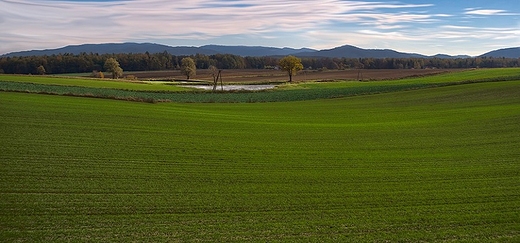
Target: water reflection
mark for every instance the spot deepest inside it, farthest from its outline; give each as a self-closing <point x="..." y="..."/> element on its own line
<point x="232" y="87"/>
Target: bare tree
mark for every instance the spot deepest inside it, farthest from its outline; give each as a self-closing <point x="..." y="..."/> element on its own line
<point x="216" y="74"/>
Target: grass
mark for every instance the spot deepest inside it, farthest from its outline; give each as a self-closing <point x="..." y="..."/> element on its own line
<point x="205" y="96"/>
<point x="92" y="83"/>
<point x="437" y="164"/>
<point x="291" y="92"/>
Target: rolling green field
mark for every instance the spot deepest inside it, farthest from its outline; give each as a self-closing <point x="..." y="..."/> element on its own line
<point x="160" y="92"/>
<point x="413" y="165"/>
<point x="91" y="83"/>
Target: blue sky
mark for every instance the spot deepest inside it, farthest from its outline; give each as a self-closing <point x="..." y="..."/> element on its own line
<point x="428" y="27"/>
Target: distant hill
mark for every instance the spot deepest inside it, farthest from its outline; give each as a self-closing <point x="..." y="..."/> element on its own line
<point x="356" y="52"/>
<point x="255" y="51"/>
<point x="347" y="51"/>
<point x="110" y="48"/>
<point x="448" y="56"/>
<point x="507" y="53"/>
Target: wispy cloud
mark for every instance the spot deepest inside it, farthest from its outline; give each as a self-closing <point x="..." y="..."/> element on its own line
<point x="202" y="19"/>
<point x="35" y="24"/>
<point x="472" y="11"/>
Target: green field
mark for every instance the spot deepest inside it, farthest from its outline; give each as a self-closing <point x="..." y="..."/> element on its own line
<point x="92" y="83"/>
<point x="406" y="165"/>
<point x="159" y="91"/>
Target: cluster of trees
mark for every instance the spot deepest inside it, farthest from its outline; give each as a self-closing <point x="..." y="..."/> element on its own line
<point x="88" y="62"/>
<point x="289" y="64"/>
<point x="417" y="63"/>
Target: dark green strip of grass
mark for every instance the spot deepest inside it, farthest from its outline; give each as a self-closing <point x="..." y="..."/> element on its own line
<point x="208" y="97"/>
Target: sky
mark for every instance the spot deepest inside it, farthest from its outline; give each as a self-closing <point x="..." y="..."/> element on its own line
<point x="454" y="27"/>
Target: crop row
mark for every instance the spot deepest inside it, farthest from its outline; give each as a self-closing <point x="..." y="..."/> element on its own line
<point x="305" y="91"/>
<point x="205" y="97"/>
<point x="218" y="97"/>
<point x="430" y="165"/>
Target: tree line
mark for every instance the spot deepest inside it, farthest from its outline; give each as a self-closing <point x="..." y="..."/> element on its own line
<point x="89" y="62"/>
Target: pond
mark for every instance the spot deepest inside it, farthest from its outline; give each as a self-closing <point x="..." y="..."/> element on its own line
<point x="252" y="87"/>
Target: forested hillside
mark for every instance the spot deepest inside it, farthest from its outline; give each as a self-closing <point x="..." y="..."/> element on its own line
<point x="88" y="62"/>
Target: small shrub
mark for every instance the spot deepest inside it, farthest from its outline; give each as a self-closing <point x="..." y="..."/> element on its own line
<point x="96" y="74"/>
<point x="130" y="77"/>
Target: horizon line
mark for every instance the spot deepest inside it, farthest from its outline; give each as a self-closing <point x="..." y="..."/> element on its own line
<point x="252" y="46"/>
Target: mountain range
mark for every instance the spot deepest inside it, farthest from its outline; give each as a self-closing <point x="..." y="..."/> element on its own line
<point x="255" y="51"/>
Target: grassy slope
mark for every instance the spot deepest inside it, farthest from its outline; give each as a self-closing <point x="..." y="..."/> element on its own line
<point x="474" y="75"/>
<point x="291" y="92"/>
<point x="92" y="83"/>
<point x="432" y="165"/>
